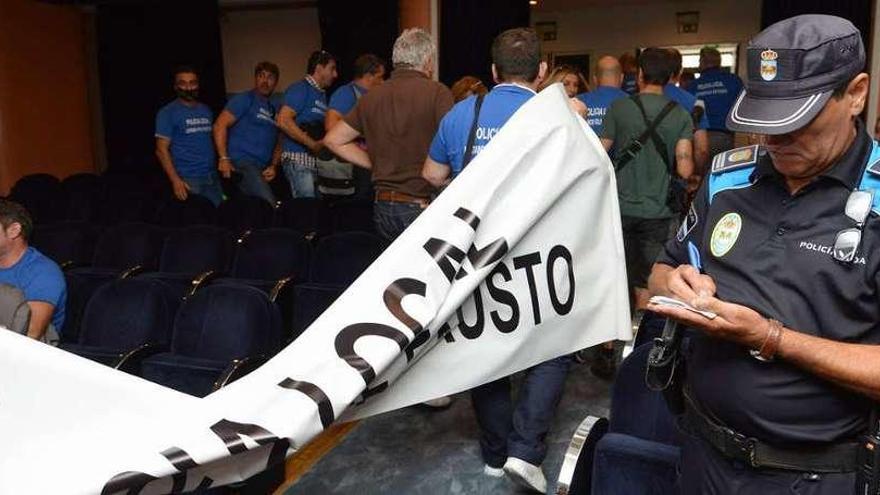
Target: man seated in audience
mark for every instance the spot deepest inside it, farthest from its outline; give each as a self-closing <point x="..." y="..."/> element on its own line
<point x="698" y="113"/>
<point x="246" y="136"/>
<point x="301" y="119"/>
<point x="512" y="438"/>
<point x="33" y="273"/>
<point x="369" y="72"/>
<point x="398" y="120"/>
<point x="606" y="81"/>
<point x="183" y="141"/>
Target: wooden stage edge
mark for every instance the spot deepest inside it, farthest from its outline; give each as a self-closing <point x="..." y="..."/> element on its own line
<point x="300" y="463"/>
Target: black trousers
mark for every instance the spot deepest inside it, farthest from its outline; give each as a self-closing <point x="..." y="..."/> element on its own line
<point x="704" y="471"/>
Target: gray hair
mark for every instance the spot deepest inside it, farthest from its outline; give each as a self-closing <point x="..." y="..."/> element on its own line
<point x="413" y="49"/>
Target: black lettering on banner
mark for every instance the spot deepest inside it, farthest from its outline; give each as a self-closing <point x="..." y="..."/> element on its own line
<point x="480" y="257"/>
<point x="346" y="339"/>
<point x="312" y="391"/>
<point x="475" y="330"/>
<point x="134" y="481"/>
<point x="445" y="332"/>
<point x="504" y="297"/>
<point x="561" y="308"/>
<point x="442" y="251"/>
<point x="181" y="460"/>
<point x="393" y="298"/>
<point x="528" y="261"/>
<point x="467" y="217"/>
<point x="232" y="432"/>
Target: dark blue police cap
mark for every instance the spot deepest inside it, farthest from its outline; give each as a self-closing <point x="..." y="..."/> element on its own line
<point x="793" y="67"/>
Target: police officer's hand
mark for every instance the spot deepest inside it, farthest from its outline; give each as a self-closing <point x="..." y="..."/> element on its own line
<point x="225" y="168"/>
<point x="180" y="188"/>
<point x="578" y="107"/>
<point x="686" y="283"/>
<point x="733" y="322"/>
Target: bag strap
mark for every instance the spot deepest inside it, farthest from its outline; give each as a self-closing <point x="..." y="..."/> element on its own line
<point x="473" y="134"/>
<point x="650" y="131"/>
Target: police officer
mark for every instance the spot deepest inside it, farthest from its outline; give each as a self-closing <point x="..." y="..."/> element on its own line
<point x="607" y="79"/>
<point x="779" y="385"/>
<point x="512" y="436"/>
<point x="717" y="89"/>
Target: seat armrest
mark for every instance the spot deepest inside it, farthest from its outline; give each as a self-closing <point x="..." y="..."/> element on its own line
<point x="278" y="287"/>
<point x="202" y="280"/>
<point x="577" y="460"/>
<point x="130" y="362"/>
<point x="237" y="369"/>
<point x="131" y="272"/>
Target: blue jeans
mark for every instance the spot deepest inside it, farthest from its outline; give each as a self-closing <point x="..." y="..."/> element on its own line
<point x="207" y="186"/>
<point x="252" y="182"/>
<point x="519" y="432"/>
<point x="392" y="219"/>
<point x="301" y="178"/>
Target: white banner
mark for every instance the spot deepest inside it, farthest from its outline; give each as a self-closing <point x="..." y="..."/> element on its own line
<point x="520" y="260"/>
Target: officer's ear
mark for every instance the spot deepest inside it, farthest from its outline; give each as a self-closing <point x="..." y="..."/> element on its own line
<point x="495" y="75"/>
<point x="13" y="231"/>
<point x="857" y="93"/>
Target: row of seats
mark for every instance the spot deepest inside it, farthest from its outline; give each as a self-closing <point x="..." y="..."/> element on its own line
<point x="277" y="262"/>
<point x="114" y="199"/>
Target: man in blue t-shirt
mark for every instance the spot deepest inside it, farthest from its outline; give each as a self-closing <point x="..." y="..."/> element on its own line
<point x="183" y="141"/>
<point x="630" y="66"/>
<point x="301" y="119"/>
<point x="246" y="136"/>
<point x="607" y="79"/>
<point x="512" y="436"/>
<point x="369" y="72"/>
<point x="25" y="268"/>
<point x="697" y="110"/>
<point x="718" y="89"/>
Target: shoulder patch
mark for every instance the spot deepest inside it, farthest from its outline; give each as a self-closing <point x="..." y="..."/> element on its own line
<point x="735" y="159"/>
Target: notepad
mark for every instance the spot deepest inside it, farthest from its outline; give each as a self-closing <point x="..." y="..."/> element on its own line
<point x="675" y="303"/>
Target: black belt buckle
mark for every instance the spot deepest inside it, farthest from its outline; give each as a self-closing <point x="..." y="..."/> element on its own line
<point x="740" y="446"/>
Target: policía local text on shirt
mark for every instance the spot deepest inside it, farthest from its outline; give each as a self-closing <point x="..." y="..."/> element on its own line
<point x="197" y="124"/>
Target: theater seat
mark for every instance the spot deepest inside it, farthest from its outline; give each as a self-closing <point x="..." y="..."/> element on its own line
<point x="216" y="326"/>
<point x="306" y="215"/>
<point x="272" y="254"/>
<point x="352" y="215"/>
<point x="196" y="210"/>
<point x="341" y="258"/>
<point x="123" y="315"/>
<point x="310" y="300"/>
<point x="640" y="451"/>
<point x="83" y="192"/>
<point x="42" y="196"/>
<point x="70" y="244"/>
<point x="243" y="212"/>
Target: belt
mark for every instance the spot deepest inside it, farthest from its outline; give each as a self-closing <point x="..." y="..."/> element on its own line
<point x="399" y="197"/>
<point x="835" y="458"/>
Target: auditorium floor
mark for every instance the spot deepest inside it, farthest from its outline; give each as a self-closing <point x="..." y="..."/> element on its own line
<point x="418" y="451"/>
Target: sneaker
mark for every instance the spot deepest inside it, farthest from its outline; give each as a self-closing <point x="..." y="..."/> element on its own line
<point x="438" y="403"/>
<point x="526" y="475"/>
<point x="493" y="471"/>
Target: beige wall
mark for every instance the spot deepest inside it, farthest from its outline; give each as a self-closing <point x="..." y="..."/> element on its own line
<point x="283" y="36"/>
<point x="45" y="125"/>
<point x="615" y="29"/>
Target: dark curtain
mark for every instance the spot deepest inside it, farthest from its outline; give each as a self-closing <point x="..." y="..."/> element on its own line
<point x="467" y="28"/>
<point x="349" y="29"/>
<point x="139" y="45"/>
<point x="856" y="11"/>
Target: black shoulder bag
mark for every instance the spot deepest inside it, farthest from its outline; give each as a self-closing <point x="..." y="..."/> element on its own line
<point x="472" y="136"/>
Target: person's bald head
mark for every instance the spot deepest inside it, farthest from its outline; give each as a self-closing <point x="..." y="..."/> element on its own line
<point x="709" y="58"/>
<point x="608" y="72"/>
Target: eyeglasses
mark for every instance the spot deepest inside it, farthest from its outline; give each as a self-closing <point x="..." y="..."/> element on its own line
<point x="858" y="206"/>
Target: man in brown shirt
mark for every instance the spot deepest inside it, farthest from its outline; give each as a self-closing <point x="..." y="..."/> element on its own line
<point x="398" y="119"/>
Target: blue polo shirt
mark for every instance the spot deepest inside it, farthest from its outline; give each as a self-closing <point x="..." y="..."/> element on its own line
<point x="188" y="128"/>
<point x="310" y="105"/>
<point x="598" y="102"/>
<point x="718" y="90"/>
<point x="41" y="280"/>
<point x="252" y="137"/>
<point x="687" y="100"/>
<point x="630" y="84"/>
<point x="449" y="143"/>
<point x="346" y="97"/>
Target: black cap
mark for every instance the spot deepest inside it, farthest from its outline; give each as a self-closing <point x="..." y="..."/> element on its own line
<point x="793" y="67"/>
